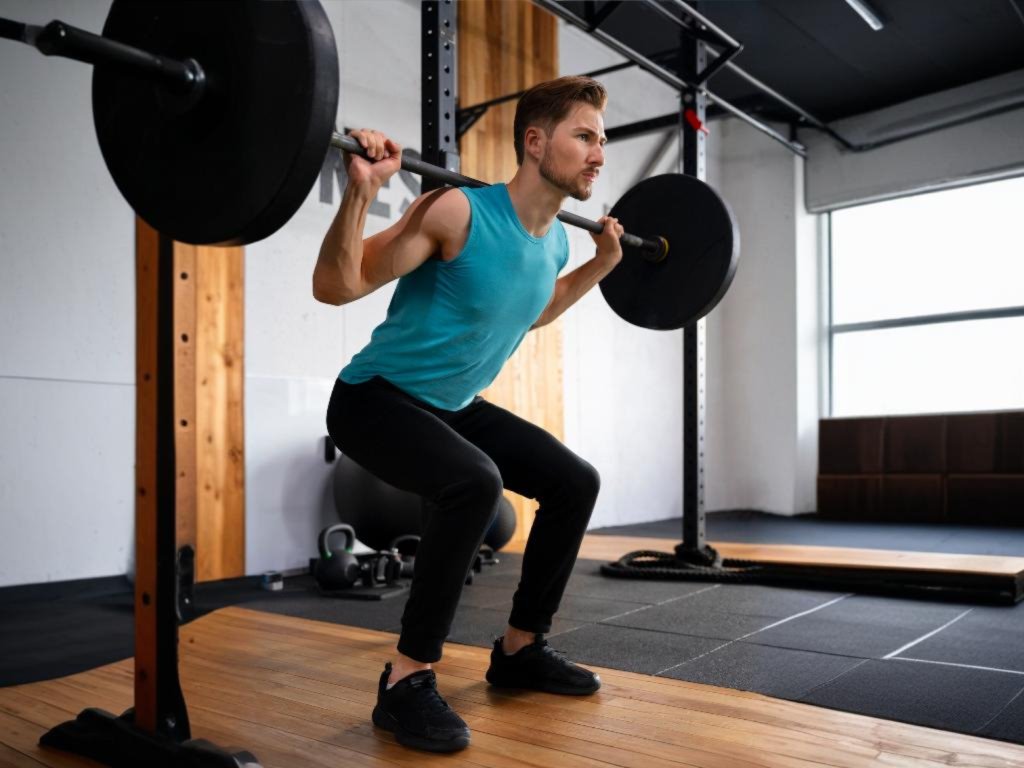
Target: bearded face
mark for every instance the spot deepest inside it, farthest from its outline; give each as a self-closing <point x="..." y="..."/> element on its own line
<point x="572" y="183"/>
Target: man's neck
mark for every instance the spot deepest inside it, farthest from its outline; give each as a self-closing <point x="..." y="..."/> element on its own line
<point x="535" y="200"/>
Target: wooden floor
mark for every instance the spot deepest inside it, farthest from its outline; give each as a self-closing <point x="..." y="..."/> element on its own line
<point x="614" y="547"/>
<point x="299" y="693"/>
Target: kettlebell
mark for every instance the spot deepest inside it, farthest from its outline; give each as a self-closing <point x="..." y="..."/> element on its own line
<point x="406" y="547"/>
<point x="337" y="568"/>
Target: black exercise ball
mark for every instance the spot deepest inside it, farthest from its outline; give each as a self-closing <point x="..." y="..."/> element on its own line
<point x="380" y="513"/>
<point x="503" y="527"/>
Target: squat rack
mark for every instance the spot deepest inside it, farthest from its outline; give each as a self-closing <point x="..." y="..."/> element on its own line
<point x="686" y="69"/>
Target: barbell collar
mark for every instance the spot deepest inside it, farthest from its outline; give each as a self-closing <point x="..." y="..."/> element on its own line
<point x="654" y="249"/>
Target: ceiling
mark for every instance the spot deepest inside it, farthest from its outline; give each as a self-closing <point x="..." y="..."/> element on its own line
<point x="823" y="56"/>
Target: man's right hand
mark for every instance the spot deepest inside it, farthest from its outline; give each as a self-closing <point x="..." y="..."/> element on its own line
<point x="385" y="159"/>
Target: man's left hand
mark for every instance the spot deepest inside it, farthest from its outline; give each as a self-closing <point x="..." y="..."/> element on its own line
<point x="609" y="249"/>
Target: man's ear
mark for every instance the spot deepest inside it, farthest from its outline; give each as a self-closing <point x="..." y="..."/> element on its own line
<point x="534" y="139"/>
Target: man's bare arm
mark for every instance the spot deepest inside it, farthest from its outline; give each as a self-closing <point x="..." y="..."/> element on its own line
<point x="572" y="287"/>
<point x="349" y="266"/>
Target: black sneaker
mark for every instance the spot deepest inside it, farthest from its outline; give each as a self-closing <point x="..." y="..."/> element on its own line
<point x="415" y="712"/>
<point x="540" y="667"/>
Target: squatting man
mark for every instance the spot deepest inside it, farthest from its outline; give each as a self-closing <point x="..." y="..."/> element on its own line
<point x="477" y="269"/>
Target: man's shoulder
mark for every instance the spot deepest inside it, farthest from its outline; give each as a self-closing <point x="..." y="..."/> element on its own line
<point x="446" y="213"/>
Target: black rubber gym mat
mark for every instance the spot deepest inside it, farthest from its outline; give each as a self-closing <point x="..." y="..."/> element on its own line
<point x="586" y="579"/>
<point x="53" y="638"/>
<point x="1008" y="724"/>
<point x="632" y="650"/>
<point x="384" y="615"/>
<point x="681" y="618"/>
<point x="479" y="626"/>
<point x="829" y="656"/>
<point x="780" y="672"/>
<point x="860" y="625"/>
<point x="759" y="600"/>
<point x="987" y="636"/>
<point x="743" y="525"/>
<point x="926" y="694"/>
<point x="588" y="609"/>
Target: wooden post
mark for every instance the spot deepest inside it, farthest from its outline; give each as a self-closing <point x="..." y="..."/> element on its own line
<point x="504" y="48"/>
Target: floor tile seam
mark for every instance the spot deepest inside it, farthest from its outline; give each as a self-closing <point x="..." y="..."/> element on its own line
<point x="956" y="664"/>
<point x="997" y="715"/>
<point x="924" y="637"/>
<point x="658" y="604"/>
<point x="831" y="680"/>
<point x="644" y="607"/>
<point x="751" y="634"/>
<point x="829" y="654"/>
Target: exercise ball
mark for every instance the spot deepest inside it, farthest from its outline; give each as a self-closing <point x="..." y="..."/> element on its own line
<point x="380" y="513"/>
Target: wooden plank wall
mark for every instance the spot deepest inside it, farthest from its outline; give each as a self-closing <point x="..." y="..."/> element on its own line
<point x="503" y="48"/>
<point x="209" y="380"/>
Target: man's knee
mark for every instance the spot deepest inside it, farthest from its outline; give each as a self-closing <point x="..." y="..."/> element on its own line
<point x="584" y="482"/>
<point x="477" y="491"/>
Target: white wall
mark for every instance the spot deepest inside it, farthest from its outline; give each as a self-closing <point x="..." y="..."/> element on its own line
<point x="762" y="339"/>
<point x="623" y="384"/>
<point x="67" y="322"/>
<point x="294" y="346"/>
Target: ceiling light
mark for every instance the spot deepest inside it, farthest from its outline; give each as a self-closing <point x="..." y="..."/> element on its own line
<point x="867" y="13"/>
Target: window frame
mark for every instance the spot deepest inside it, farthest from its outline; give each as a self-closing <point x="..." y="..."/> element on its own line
<point x="993" y="313"/>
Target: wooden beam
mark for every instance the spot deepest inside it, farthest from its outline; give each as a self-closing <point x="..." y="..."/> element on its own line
<point x="504" y="48"/>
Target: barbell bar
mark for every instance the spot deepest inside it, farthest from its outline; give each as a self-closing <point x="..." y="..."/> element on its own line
<point x="214" y="120"/>
<point x="60" y="39"/>
<point x="653" y="249"/>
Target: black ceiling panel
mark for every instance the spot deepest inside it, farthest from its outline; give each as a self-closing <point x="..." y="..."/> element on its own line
<point x="824" y="57"/>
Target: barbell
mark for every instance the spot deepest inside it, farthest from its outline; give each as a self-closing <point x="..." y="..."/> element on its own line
<point x="214" y="120"/>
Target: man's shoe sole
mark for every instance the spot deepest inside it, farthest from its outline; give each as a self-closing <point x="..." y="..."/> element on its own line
<point x="565" y="690"/>
<point x="383" y="720"/>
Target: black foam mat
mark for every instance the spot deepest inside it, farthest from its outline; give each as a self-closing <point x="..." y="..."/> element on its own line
<point x="986" y="636"/>
<point x="679" y="617"/>
<point x="631" y="650"/>
<point x="480" y="626"/>
<point x="758" y="600"/>
<point x="1008" y="725"/>
<point x="859" y="625"/>
<point x="589" y="609"/>
<point x="786" y="643"/>
<point x="779" y="672"/>
<point x="755" y="527"/>
<point x="926" y="694"/>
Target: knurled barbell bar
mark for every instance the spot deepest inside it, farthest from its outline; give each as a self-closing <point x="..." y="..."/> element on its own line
<point x="214" y="120"/>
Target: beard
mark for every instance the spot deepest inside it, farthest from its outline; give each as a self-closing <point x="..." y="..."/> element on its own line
<point x="572" y="185"/>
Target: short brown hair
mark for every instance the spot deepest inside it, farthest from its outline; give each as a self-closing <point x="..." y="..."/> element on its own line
<point x="546" y="104"/>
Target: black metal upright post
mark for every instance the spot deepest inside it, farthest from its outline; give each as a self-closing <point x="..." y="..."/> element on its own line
<point x="440" y="140"/>
<point x="693" y="162"/>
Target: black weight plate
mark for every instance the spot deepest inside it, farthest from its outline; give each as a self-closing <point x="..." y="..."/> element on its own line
<point x="235" y="167"/>
<point x="704" y="248"/>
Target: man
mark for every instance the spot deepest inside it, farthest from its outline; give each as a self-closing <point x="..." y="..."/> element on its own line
<point x="476" y="270"/>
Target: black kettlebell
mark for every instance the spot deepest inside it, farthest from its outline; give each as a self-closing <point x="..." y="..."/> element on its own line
<point x="336" y="568"/>
<point x="406" y="547"/>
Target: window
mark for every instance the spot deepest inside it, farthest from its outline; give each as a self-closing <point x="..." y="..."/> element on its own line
<point x="927" y="302"/>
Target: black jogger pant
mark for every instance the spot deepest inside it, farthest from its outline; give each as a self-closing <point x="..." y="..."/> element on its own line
<point x="460" y="461"/>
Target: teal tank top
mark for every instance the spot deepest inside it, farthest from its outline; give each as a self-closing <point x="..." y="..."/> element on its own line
<point x="451" y="325"/>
